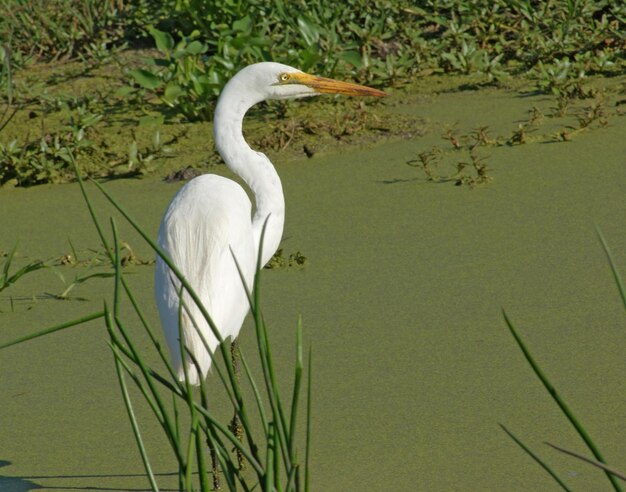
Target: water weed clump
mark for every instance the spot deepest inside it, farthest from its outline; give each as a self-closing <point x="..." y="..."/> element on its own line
<point x="47" y="159"/>
<point x="8" y="278"/>
<point x="200" y="45"/>
<point x="281" y="260"/>
<point x="181" y="80"/>
<point x="568" y="116"/>
<point x="470" y="173"/>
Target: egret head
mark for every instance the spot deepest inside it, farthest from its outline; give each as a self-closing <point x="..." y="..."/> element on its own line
<point x="276" y="81"/>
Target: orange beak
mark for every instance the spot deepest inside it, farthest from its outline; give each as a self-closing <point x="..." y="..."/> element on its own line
<point x="331" y="86"/>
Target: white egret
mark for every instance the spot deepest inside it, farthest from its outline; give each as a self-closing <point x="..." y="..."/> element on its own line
<point x="211" y="216"/>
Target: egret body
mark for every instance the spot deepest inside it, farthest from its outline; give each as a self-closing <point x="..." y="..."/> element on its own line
<point x="211" y="218"/>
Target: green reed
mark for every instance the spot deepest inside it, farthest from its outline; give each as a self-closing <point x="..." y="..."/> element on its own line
<point x="201" y="441"/>
<point x="612" y="475"/>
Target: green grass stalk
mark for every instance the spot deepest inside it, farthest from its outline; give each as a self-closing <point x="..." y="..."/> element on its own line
<point x="614" y="270"/>
<point x="534" y="456"/>
<point x="131" y="414"/>
<point x="55" y="328"/>
<point x="308" y="426"/>
<point x="560" y="402"/>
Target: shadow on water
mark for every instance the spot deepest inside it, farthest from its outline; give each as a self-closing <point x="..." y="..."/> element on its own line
<point x="397" y="180"/>
<point x="15" y="484"/>
<point x="24" y="484"/>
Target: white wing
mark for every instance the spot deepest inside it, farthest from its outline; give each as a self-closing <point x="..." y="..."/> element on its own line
<point x="207" y="218"/>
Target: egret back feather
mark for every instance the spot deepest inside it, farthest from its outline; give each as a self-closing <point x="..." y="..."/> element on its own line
<point x="201" y="249"/>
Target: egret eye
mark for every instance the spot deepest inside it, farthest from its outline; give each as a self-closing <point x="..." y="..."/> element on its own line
<point x="284" y="77"/>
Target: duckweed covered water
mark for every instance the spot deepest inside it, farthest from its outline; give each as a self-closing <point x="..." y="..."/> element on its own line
<point x="400" y="297"/>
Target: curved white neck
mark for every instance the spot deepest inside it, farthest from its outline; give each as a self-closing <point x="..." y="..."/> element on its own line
<point x="253" y="167"/>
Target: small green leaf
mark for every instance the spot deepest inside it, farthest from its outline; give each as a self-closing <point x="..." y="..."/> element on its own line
<point x="164" y="40"/>
<point x="145" y="79"/>
<point x="124" y="91"/>
<point x="172" y="92"/>
<point x="352" y="57"/>
<point x="151" y="120"/>
<point x="243" y="25"/>
<point x="196" y="48"/>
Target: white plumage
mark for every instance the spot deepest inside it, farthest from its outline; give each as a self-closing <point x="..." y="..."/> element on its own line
<point x="200" y="249"/>
<point x="212" y="215"/>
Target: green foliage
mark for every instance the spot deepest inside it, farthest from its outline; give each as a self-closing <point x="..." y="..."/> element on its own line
<point x="384" y="42"/>
<point x="181" y="79"/>
<point x="380" y="41"/>
<point x="271" y="452"/>
<point x="202" y="43"/>
<point x="47" y="159"/>
<point x="7" y="278"/>
<point x="54" y="29"/>
<point x="529" y="32"/>
<point x="371" y="39"/>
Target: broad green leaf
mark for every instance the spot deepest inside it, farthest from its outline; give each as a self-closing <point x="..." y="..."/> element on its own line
<point x="196" y="48"/>
<point x="164" y="40"/>
<point x="352" y="57"/>
<point x="243" y="25"/>
<point x="173" y="92"/>
<point x="145" y="79"/>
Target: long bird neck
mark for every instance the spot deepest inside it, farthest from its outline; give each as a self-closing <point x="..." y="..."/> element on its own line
<point x="253" y="167"/>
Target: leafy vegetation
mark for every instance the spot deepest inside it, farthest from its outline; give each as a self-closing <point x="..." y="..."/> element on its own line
<point x="554" y="45"/>
<point x="572" y="116"/>
<point x="382" y="42"/>
<point x="7" y="278"/>
<point x="198" y="45"/>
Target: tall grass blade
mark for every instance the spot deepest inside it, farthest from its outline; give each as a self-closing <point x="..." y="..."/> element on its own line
<point x="296" y="391"/>
<point x="257" y="395"/>
<point x="118" y="270"/>
<point x="269" y="460"/>
<point x="92" y="212"/>
<point x="52" y="329"/>
<point x="530" y="453"/>
<point x="616" y="274"/>
<point x="107" y="249"/>
<point x="201" y="461"/>
<point x="264" y="353"/>
<point x="131" y="415"/>
<point x="308" y="426"/>
<point x="560" y="402"/>
<point x="6" y="280"/>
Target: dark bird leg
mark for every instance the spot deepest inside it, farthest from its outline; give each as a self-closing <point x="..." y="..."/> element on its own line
<point x="235" y="424"/>
<point x="214" y="467"/>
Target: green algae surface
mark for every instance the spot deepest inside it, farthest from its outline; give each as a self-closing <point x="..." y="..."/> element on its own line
<point x="400" y="297"/>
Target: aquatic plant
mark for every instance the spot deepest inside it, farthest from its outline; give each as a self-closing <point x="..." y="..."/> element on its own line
<point x="181" y="80"/>
<point x="7" y="278"/>
<point x="275" y="454"/>
<point x="47" y="159"/>
<point x="598" y="461"/>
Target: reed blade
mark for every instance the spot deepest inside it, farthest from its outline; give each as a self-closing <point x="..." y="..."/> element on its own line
<point x="530" y="453"/>
<point x="559" y="401"/>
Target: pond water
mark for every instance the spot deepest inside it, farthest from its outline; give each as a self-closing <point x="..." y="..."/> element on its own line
<point x="400" y="298"/>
